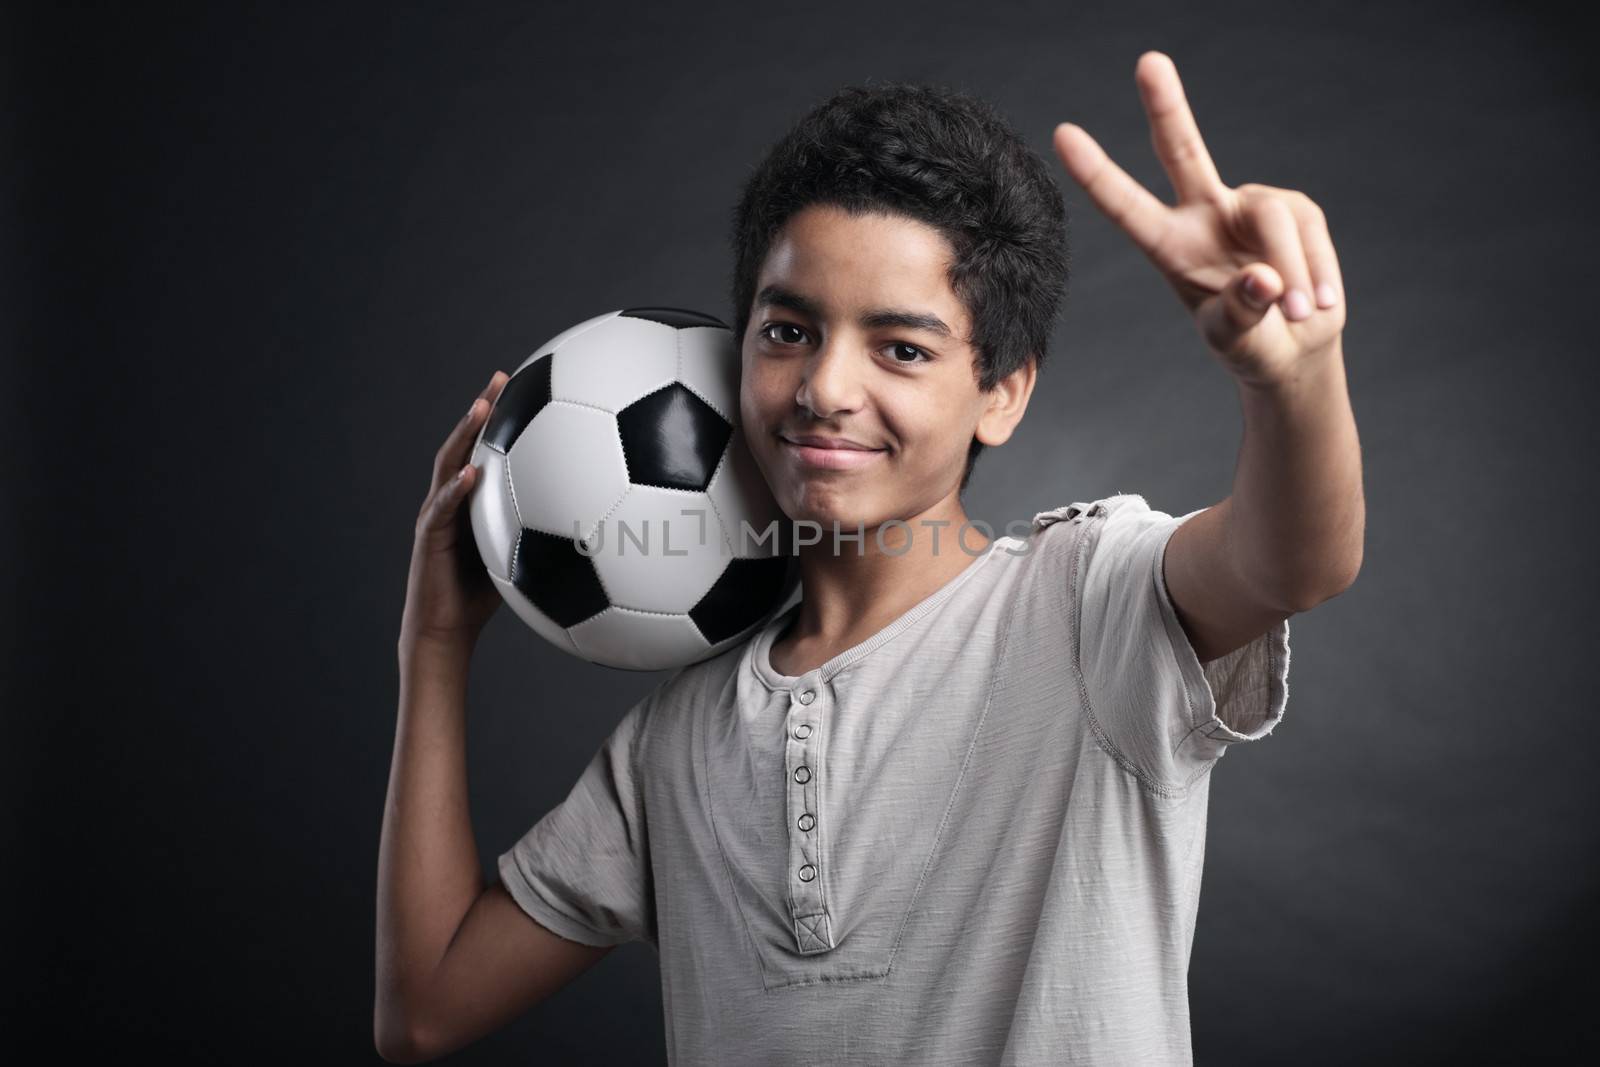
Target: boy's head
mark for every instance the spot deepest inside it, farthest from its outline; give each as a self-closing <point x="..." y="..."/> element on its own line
<point x="902" y="198"/>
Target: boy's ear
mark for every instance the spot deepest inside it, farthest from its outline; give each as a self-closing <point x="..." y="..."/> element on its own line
<point x="1005" y="404"/>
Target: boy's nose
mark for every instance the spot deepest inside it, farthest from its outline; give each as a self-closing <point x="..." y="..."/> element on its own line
<point x="831" y="383"/>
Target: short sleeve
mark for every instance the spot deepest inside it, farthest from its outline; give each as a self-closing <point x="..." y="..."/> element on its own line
<point x="583" y="870"/>
<point x="1168" y="715"/>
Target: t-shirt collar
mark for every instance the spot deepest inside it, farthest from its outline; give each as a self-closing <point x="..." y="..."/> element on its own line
<point x="758" y="652"/>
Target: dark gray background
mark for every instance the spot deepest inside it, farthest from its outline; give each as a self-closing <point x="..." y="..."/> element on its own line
<point x="258" y="262"/>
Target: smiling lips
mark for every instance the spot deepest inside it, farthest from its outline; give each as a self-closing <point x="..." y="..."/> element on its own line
<point x="830" y="453"/>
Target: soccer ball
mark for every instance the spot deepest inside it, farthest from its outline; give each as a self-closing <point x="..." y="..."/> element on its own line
<point x="618" y="508"/>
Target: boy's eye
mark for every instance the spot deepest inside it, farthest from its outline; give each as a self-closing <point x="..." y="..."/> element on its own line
<point x="781" y="326"/>
<point x="917" y="352"/>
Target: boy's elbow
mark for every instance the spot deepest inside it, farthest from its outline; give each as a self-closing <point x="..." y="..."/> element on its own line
<point x="395" y="1042"/>
<point x="1347" y="577"/>
<point x="392" y="1051"/>
<point x="1326" y="591"/>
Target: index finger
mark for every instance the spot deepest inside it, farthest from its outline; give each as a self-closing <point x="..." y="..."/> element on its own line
<point x="1173" y="130"/>
<point x="457" y="447"/>
<point x="1114" y="191"/>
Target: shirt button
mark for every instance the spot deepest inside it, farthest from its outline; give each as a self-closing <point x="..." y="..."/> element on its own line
<point x="803" y="731"/>
<point x="802" y="774"/>
<point x="807" y="873"/>
<point x="806" y="696"/>
<point x="807" y="822"/>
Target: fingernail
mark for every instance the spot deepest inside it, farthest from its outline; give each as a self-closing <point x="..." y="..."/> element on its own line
<point x="1253" y="291"/>
<point x="1326" y="297"/>
<point x="472" y="408"/>
<point x="1297" y="304"/>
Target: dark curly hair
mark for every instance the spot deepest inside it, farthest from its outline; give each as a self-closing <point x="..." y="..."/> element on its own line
<point x="946" y="159"/>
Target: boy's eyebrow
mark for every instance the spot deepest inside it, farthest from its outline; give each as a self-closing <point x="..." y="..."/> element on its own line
<point x="872" y="318"/>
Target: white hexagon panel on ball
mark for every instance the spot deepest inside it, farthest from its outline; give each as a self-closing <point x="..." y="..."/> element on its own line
<point x="653" y="557"/>
<point x="567" y="469"/>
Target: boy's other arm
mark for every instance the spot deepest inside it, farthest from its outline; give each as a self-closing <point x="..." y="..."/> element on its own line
<point x="1290" y="534"/>
<point x="455" y="961"/>
<point x="500" y="963"/>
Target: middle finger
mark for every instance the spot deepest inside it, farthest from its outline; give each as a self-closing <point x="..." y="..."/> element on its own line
<point x="1173" y="131"/>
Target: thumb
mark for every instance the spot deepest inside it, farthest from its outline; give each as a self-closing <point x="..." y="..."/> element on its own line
<point x="1245" y="300"/>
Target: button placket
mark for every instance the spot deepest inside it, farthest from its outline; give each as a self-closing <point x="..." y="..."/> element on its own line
<point x="813" y="931"/>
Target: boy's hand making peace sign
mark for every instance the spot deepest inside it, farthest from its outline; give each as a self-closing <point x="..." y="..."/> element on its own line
<point x="1254" y="263"/>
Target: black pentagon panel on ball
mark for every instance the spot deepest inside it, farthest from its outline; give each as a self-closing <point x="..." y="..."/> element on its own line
<point x="677" y="318"/>
<point x="747" y="590"/>
<point x="522" y="397"/>
<point x="672" y="438"/>
<point x="560" y="580"/>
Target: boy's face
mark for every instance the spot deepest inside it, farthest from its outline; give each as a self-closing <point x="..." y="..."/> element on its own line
<point x="847" y="340"/>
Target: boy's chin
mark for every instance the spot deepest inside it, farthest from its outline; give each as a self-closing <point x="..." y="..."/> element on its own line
<point x="809" y="505"/>
<point x="852" y="511"/>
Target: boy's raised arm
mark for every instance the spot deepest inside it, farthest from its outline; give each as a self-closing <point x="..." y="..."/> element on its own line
<point x="1256" y="267"/>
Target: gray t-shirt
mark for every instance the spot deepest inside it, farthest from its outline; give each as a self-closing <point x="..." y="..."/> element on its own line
<point x="976" y="837"/>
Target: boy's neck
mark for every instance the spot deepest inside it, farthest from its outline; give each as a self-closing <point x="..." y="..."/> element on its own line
<point x="847" y="598"/>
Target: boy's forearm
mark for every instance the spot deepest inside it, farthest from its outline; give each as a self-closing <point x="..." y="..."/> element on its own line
<point x="428" y="870"/>
<point x="1297" y="513"/>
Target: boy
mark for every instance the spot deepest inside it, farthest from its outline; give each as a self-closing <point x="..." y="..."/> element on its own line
<point x="950" y="806"/>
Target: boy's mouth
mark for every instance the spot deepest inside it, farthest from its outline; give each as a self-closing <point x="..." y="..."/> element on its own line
<point x="829" y="453"/>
